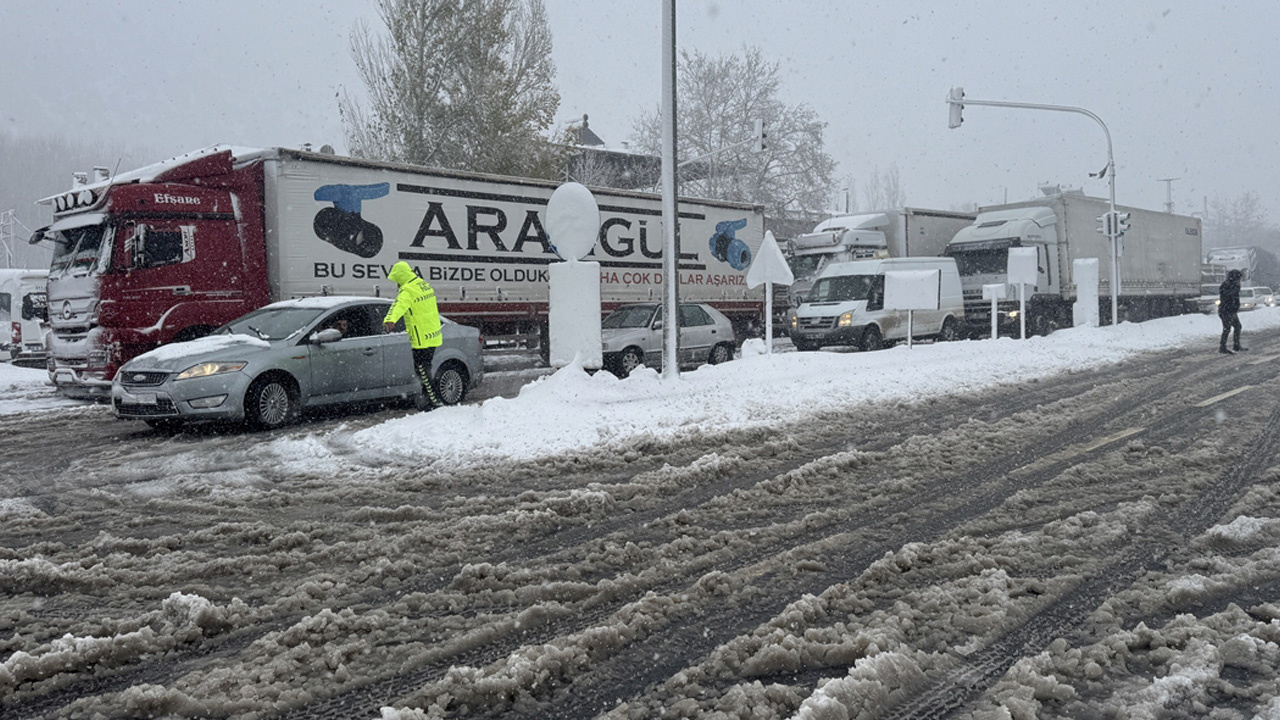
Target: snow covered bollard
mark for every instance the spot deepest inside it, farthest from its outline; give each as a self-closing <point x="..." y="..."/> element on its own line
<point x="573" y="317"/>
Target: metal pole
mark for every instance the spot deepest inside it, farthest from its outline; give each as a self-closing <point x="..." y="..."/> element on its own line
<point x="1110" y="172"/>
<point x="670" y="203"/>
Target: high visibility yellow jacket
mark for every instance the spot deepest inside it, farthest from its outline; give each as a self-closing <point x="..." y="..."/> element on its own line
<point x="416" y="303"/>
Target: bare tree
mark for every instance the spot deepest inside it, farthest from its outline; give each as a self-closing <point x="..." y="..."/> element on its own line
<point x="1238" y="221"/>
<point x="719" y="99"/>
<point x="883" y="190"/>
<point x="463" y="84"/>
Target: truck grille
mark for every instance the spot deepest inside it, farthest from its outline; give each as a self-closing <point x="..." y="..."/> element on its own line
<point x="140" y="379"/>
<point x="816" y="323"/>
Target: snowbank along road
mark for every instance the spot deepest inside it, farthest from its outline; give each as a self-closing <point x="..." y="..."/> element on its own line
<point x="1100" y="544"/>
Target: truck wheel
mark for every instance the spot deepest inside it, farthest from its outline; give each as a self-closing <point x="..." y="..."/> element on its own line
<point x="1041" y="325"/>
<point x="271" y="402"/>
<point x="871" y="339"/>
<point x="950" y="330"/>
<point x="720" y="354"/>
<point x="451" y="383"/>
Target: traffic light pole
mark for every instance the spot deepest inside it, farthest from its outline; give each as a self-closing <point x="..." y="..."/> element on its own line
<point x="956" y="97"/>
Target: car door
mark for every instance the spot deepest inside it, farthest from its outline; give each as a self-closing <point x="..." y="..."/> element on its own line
<point x="350" y="368"/>
<point x="697" y="333"/>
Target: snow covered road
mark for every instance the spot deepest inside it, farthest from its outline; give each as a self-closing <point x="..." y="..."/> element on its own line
<point x="1094" y="540"/>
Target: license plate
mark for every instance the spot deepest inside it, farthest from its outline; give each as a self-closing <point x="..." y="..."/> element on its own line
<point x="142" y="399"/>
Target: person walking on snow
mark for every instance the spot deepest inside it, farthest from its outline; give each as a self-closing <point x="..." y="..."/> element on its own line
<point x="1229" y="311"/>
<point x="416" y="303"/>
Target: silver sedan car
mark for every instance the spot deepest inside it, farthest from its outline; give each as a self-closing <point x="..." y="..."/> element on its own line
<point x="264" y="368"/>
<point x="632" y="336"/>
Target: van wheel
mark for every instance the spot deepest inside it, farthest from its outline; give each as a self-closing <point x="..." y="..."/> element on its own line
<point x="871" y="339"/>
<point x="720" y="354"/>
<point x="950" y="330"/>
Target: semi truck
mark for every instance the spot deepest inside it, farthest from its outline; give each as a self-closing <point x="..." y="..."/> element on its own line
<point x="897" y="232"/>
<point x="172" y="251"/>
<point x="1159" y="264"/>
<point x="1258" y="265"/>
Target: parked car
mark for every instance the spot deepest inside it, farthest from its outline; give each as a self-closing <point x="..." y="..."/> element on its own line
<point x="265" y="367"/>
<point x="632" y="336"/>
<point x="1208" y="301"/>
<point x="1250" y="298"/>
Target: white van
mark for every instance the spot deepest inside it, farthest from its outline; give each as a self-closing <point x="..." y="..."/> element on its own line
<point x="846" y="306"/>
<point x="24" y="316"/>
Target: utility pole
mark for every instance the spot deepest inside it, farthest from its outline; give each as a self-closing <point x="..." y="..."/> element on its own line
<point x="1168" y="193"/>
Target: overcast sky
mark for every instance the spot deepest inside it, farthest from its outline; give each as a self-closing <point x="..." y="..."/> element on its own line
<point x="1188" y="90"/>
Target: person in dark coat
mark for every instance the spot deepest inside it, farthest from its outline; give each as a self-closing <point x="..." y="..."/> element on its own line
<point x="1229" y="311"/>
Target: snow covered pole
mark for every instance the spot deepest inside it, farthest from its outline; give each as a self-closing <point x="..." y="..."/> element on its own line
<point x="670" y="219"/>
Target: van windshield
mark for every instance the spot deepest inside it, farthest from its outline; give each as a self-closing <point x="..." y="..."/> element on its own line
<point x="842" y="288"/>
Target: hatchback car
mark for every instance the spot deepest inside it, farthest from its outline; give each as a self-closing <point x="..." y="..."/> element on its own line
<point x="264" y="368"/>
<point x="632" y="336"/>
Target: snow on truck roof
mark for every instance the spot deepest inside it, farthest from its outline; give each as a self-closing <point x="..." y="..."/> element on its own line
<point x="150" y="172"/>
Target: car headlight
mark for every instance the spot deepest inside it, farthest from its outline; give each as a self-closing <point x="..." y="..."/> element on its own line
<point x="210" y="368"/>
<point x="846" y="319"/>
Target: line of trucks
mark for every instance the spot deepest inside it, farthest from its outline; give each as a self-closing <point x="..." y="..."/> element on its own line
<point x="171" y="251"/>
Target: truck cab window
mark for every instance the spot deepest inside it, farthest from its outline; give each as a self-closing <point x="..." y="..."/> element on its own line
<point x="82" y="250"/>
<point x="157" y="245"/>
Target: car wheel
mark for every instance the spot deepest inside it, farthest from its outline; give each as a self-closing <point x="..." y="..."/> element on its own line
<point x="950" y="330"/>
<point x="167" y="425"/>
<point x="271" y="402"/>
<point x="720" y="354"/>
<point x="451" y="383"/>
<point x="871" y="339"/>
<point x="630" y="359"/>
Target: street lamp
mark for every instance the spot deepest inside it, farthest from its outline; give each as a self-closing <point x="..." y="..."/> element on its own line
<point x="957" y="101"/>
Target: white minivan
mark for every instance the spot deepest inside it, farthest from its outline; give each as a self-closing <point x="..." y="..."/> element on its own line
<point x="845" y="306"/>
<point x="24" y="316"/>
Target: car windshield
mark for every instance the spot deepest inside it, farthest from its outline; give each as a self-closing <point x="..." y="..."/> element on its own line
<point x="844" y="287"/>
<point x="272" y="323"/>
<point x="633" y="316"/>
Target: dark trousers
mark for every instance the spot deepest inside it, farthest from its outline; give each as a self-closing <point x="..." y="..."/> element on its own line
<point x="422" y="363"/>
<point x="1230" y="322"/>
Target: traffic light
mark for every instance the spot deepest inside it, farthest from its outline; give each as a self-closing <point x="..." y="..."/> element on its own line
<point x="1121" y="223"/>
<point x="1104" y="224"/>
<point x="760" y="137"/>
<point x="953" y="98"/>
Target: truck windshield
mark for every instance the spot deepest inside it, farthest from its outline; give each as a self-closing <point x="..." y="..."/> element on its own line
<point x="629" y="317"/>
<point x="845" y="287"/>
<point x="980" y="262"/>
<point x="806" y="265"/>
<point x="272" y="323"/>
<point x="81" y="251"/>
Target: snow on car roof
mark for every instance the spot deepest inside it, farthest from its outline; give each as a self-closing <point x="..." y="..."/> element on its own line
<point x="324" y="302"/>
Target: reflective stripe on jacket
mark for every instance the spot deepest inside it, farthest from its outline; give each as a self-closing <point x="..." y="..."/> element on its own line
<point x="416" y="303"/>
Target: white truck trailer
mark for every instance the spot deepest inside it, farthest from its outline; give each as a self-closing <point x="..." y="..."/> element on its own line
<point x="1159" y="263"/>
<point x="898" y="232"/>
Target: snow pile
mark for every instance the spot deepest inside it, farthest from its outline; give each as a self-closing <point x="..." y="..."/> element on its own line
<point x="572" y="410"/>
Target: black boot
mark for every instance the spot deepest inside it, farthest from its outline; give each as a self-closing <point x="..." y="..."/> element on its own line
<point x="1239" y="348"/>
<point x="1223" y="349"/>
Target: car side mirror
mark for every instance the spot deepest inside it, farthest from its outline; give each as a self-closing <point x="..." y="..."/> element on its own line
<point x="657" y="325"/>
<point x="327" y="335"/>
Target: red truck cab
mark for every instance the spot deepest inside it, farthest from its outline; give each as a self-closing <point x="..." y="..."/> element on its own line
<point x="169" y="252"/>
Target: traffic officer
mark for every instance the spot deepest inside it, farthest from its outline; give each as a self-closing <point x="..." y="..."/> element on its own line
<point x="416" y="303"/>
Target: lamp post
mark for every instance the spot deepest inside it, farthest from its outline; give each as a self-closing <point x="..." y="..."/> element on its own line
<point x="957" y="101"/>
<point x="670" y="189"/>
